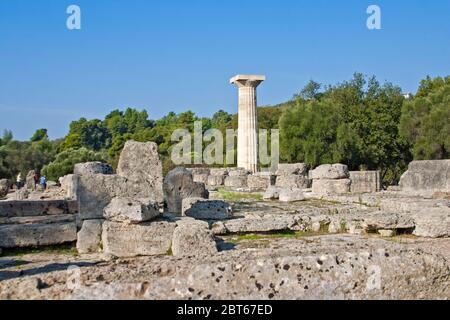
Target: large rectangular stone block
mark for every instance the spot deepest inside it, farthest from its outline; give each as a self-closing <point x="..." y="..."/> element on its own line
<point x="236" y="182"/>
<point x="427" y="176"/>
<point x="146" y="239"/>
<point x="293" y="181"/>
<point x="260" y="181"/>
<point x="331" y="186"/>
<point x="199" y="208"/>
<point x="365" y="181"/>
<point x="47" y="231"/>
<point x="25" y="208"/>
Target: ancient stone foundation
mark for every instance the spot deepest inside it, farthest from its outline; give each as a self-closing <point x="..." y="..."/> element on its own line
<point x="426" y="177"/>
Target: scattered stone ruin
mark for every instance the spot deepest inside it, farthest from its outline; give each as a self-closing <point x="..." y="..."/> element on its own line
<point x="187" y="230"/>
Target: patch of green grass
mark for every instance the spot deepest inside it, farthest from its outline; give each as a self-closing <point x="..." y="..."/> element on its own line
<point x="238" y="196"/>
<point x="64" y="249"/>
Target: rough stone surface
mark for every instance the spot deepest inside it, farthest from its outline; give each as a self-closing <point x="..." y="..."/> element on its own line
<point x="247" y="225"/>
<point x="215" y="181"/>
<point x="146" y="239"/>
<point x="365" y="181"/>
<point x="291" y="195"/>
<point x="89" y="238"/>
<point x="272" y="193"/>
<point x="386" y="233"/>
<point x="236" y="182"/>
<point x="29" y="180"/>
<point x="89" y="168"/>
<point x="260" y="181"/>
<point x="96" y="191"/>
<point x="178" y="185"/>
<point x="292" y="169"/>
<point x="427" y="176"/>
<point x="199" y="208"/>
<point x="432" y="223"/>
<point x="48" y="231"/>
<point x="201" y="178"/>
<point x="131" y="211"/>
<point x="331" y="186"/>
<point x="192" y="238"/>
<point x="237" y="172"/>
<point x="37" y="208"/>
<point x="140" y="164"/>
<point x="387" y="221"/>
<point x="69" y="184"/>
<point x="4" y="187"/>
<point x="200" y="171"/>
<point x="21" y="194"/>
<point x="218" y="171"/>
<point x="330" y="171"/>
<point x="293" y="181"/>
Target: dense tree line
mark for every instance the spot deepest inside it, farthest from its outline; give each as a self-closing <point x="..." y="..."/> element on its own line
<point x="360" y="122"/>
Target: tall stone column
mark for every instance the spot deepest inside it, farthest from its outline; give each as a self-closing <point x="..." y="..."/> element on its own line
<point x="247" y="152"/>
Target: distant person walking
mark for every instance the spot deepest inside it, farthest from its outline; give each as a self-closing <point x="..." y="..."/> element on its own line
<point x="43" y="182"/>
<point x="37" y="180"/>
<point x="19" y="181"/>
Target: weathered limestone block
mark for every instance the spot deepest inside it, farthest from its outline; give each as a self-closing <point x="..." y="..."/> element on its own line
<point x="291" y="195"/>
<point x="386" y="233"/>
<point x="44" y="233"/>
<point x="236" y="182"/>
<point x="387" y="221"/>
<point x="292" y="169"/>
<point x="272" y="193"/>
<point x="260" y="181"/>
<point x="178" y="185"/>
<point x="131" y="211"/>
<point x="140" y="164"/>
<point x="218" y="172"/>
<point x="196" y="171"/>
<point x="89" y="238"/>
<point x="427" y="176"/>
<point x="37" y="208"/>
<point x="293" y="181"/>
<point x="331" y="186"/>
<point x="215" y="181"/>
<point x="201" y="178"/>
<point x="29" y="180"/>
<point x="410" y="205"/>
<point x="193" y="238"/>
<point x="131" y="240"/>
<point x="199" y="208"/>
<point x="4" y="187"/>
<point x="21" y="194"/>
<point x="96" y="191"/>
<point x="89" y="168"/>
<point x="432" y="223"/>
<point x="69" y="184"/>
<point x="330" y="171"/>
<point x="266" y="224"/>
<point x="238" y="172"/>
<point x="337" y="267"/>
<point x="365" y="181"/>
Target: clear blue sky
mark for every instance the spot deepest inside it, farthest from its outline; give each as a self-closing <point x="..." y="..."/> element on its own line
<point x="167" y="55"/>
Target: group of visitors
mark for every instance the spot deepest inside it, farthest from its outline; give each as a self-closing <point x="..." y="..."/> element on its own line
<point x="38" y="180"/>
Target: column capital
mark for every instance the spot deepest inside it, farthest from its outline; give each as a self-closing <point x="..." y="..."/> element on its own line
<point x="247" y="80"/>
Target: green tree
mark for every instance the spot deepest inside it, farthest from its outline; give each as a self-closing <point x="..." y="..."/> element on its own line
<point x="425" y="120"/>
<point x="66" y="160"/>
<point x="40" y="134"/>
